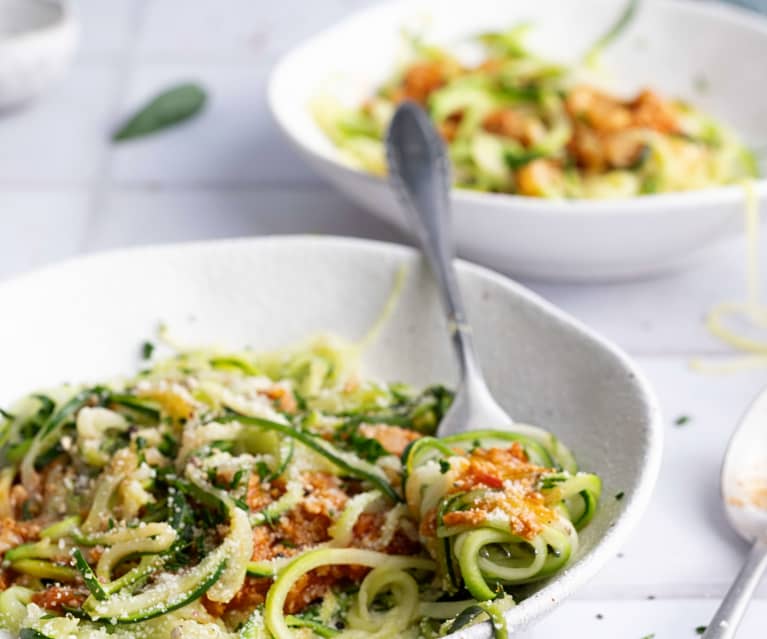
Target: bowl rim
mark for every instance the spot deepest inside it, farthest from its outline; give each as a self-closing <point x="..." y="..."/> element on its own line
<point x="635" y="502"/>
<point x="64" y="21"/>
<point x="629" y="206"/>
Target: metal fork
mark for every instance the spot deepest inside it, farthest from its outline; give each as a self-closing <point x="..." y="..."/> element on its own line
<point x="419" y="172"/>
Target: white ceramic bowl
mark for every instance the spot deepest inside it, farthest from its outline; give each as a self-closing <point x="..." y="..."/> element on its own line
<point x="85" y="319"/>
<point x="37" y="44"/>
<point x="671" y="46"/>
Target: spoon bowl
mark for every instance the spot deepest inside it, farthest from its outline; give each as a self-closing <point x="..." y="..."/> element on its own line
<point x="744" y="474"/>
<point x="744" y="491"/>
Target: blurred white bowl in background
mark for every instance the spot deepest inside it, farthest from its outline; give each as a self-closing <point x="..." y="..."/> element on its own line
<point x="37" y="43"/>
<point x="674" y="46"/>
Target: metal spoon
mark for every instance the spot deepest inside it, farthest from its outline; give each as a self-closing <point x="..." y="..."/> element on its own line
<point x="420" y="174"/>
<point x="744" y="491"/>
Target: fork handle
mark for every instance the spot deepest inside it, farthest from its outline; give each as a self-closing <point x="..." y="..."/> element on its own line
<point x="733" y="607"/>
<point x="419" y="172"/>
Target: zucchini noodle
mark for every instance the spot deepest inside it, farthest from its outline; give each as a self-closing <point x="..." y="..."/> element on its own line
<point x="722" y="321"/>
<point x="149" y="539"/>
<point x="6" y="480"/>
<point x="396" y="618"/>
<point x="281" y="495"/>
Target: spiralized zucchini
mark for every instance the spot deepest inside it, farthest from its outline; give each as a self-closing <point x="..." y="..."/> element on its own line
<point x="519" y="123"/>
<point x="256" y="495"/>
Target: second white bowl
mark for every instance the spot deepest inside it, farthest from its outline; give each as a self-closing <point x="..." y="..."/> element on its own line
<point x="670" y="46"/>
<point x="37" y="43"/>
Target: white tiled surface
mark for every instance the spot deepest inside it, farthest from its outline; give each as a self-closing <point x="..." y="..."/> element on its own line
<point x="65" y="190"/>
<point x="664" y="315"/>
<point x="107" y="28"/>
<point x="242" y="144"/>
<point x="67" y="145"/>
<point x="245" y="31"/>
<point x="197" y="214"/>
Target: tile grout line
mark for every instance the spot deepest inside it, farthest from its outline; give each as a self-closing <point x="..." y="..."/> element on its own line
<point x="248" y="61"/>
<point x="178" y="187"/>
<point x="100" y="188"/>
<point x="658" y="592"/>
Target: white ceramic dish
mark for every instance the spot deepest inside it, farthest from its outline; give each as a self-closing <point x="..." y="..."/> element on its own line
<point x="84" y="320"/>
<point x="37" y="44"/>
<point x="672" y="45"/>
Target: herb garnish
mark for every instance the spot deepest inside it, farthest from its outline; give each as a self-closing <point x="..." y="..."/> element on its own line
<point x="169" y="446"/>
<point x="170" y="108"/>
<point x="26" y="510"/>
<point x="236" y="479"/>
<point x="547" y="483"/>
<point x="369" y="449"/>
<point x="263" y="470"/>
<point x="147" y="348"/>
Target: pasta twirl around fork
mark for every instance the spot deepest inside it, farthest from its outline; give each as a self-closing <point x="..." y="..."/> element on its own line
<point x="520" y="124"/>
<point x="278" y="495"/>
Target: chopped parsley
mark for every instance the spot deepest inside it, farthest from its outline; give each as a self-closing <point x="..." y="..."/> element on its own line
<point x="147" y="349"/>
<point x="366" y="447"/>
<point x="263" y="471"/>
<point x="702" y="85"/>
<point x="169" y="446"/>
<point x="700" y="630"/>
<point x="619" y="496"/>
<point x="269" y="518"/>
<point x="27" y="508"/>
<point x="547" y="483"/>
<point x="240" y="503"/>
<point x="236" y="479"/>
<point x="682" y="420"/>
<point x="444" y="466"/>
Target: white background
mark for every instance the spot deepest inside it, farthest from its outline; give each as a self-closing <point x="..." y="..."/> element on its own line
<point x="65" y="190"/>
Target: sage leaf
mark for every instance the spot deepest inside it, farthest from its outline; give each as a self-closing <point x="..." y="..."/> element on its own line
<point x="170" y="108"/>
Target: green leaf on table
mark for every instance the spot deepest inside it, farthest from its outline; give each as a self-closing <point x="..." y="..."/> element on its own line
<point x="170" y="108"/>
